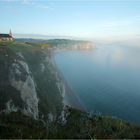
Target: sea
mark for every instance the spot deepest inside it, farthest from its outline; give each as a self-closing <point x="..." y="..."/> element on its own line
<point x="105" y="79"/>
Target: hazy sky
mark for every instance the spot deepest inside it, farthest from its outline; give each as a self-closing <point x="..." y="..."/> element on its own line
<point x="80" y="18"/>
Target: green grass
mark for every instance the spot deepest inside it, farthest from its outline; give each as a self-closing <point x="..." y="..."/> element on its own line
<point x="16" y="125"/>
<point x="41" y="44"/>
<point x="79" y="125"/>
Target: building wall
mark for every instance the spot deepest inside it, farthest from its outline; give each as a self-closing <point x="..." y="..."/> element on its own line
<point x="6" y="39"/>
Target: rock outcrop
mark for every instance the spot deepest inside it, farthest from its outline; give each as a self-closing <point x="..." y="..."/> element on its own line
<point x="21" y="78"/>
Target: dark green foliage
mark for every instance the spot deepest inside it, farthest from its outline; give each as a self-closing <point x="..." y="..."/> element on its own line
<point x="79" y="125"/>
<point x="19" y="126"/>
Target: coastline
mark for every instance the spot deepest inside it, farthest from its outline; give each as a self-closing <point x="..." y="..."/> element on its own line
<point x="70" y="98"/>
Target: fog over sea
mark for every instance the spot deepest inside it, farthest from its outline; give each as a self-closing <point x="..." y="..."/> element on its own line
<point x="106" y="79"/>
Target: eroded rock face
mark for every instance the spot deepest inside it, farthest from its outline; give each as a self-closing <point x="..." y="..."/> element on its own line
<point x="86" y="45"/>
<point x="61" y="88"/>
<point x="21" y="79"/>
<point x="20" y="92"/>
<point x="10" y="107"/>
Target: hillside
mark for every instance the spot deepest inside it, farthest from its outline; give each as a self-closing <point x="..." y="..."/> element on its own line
<point x="32" y="93"/>
<point x="63" y="44"/>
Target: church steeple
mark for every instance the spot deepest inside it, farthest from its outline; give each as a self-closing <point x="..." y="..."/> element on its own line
<point x="10" y="33"/>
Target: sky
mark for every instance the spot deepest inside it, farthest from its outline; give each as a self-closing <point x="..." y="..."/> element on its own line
<point x="78" y="18"/>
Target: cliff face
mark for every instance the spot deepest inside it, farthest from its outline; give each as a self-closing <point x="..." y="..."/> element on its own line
<point x="21" y="79"/>
<point x="64" y="44"/>
<point x="29" y="82"/>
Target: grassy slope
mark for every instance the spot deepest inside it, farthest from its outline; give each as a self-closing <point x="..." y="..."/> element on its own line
<point x="79" y="124"/>
<point x="17" y="125"/>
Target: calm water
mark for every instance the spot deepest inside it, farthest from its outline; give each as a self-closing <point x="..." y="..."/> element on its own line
<point x="106" y="80"/>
